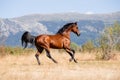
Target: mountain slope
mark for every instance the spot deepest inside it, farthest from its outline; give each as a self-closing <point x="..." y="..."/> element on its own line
<point x="90" y="26"/>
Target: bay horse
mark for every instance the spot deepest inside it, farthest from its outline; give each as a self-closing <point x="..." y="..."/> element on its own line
<point x="61" y="40"/>
<point x="27" y="38"/>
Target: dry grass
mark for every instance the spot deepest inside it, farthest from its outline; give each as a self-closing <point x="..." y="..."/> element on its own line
<point x="24" y="67"/>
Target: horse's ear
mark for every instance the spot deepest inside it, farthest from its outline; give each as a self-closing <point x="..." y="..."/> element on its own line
<point x="76" y="23"/>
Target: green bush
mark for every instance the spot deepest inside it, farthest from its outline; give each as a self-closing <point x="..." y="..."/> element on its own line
<point x="88" y="46"/>
<point x="110" y="40"/>
<point x="75" y="46"/>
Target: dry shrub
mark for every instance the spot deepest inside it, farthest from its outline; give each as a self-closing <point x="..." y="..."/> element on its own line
<point x="6" y="50"/>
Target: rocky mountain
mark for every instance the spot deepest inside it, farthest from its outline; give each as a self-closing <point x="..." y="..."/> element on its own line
<point x="90" y="25"/>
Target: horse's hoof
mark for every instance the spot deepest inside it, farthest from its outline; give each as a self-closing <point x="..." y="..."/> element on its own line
<point x="55" y="62"/>
<point x="38" y="63"/>
<point x="75" y="61"/>
<point x="70" y="60"/>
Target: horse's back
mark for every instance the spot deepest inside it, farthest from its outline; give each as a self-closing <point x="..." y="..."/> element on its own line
<point x="53" y="41"/>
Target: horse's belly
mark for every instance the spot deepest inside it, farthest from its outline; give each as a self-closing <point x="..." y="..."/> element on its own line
<point x="56" y="46"/>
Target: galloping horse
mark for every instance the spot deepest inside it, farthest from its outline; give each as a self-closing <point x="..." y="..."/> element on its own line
<point x="61" y="40"/>
<point x="27" y="38"/>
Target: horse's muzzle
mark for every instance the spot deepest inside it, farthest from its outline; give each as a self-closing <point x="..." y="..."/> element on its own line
<point x="78" y="34"/>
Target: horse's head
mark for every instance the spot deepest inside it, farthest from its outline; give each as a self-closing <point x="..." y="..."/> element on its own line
<point x="75" y="29"/>
<point x="69" y="27"/>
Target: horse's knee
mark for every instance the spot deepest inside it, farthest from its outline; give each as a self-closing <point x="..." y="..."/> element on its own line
<point x="37" y="57"/>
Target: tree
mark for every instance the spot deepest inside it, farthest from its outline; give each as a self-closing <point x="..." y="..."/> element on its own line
<point x="110" y="39"/>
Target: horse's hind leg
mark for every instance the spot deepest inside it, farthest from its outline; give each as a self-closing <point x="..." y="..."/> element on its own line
<point x="49" y="56"/>
<point x="37" y="57"/>
<point x="37" y="54"/>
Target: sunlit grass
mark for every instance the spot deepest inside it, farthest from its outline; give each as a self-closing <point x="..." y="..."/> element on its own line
<point x="25" y="67"/>
<point x="22" y="65"/>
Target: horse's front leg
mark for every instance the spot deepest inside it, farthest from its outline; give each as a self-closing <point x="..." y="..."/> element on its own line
<point x="40" y="49"/>
<point x="73" y="55"/>
<point x="71" y="52"/>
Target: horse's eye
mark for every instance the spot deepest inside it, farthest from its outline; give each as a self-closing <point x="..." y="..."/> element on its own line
<point x="77" y="28"/>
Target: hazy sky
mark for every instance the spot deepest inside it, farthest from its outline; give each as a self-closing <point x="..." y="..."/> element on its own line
<point x="16" y="8"/>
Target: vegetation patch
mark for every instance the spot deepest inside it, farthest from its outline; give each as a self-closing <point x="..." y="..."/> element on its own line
<point x="6" y="50"/>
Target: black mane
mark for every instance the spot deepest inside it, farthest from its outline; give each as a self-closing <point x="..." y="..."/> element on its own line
<point x="61" y="30"/>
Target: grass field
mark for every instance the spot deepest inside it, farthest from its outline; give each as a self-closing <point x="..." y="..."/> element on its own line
<point x="25" y="67"/>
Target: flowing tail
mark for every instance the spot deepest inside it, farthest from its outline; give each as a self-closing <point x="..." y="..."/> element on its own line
<point x="24" y="38"/>
<point x="23" y="42"/>
<point x="27" y="38"/>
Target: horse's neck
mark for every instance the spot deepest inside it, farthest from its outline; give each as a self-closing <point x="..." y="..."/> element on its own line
<point x="66" y="34"/>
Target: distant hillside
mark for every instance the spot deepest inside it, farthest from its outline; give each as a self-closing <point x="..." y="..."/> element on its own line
<point x="90" y="26"/>
<point x="108" y="17"/>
